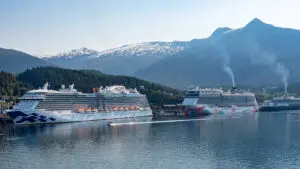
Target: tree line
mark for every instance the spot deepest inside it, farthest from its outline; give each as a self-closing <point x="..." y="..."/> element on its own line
<point x="85" y="81"/>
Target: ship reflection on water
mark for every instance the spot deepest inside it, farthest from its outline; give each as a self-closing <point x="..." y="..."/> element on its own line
<point x="228" y="140"/>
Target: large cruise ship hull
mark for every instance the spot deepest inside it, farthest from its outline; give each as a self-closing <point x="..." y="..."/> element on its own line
<point x="208" y="110"/>
<point x="279" y="108"/>
<point x="41" y="117"/>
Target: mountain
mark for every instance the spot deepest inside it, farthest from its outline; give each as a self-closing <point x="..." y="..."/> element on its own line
<point x="257" y="54"/>
<point x="15" y="61"/>
<point x="82" y="52"/>
<point x="125" y="60"/>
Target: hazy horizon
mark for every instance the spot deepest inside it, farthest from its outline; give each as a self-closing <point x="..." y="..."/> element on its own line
<point x="50" y="27"/>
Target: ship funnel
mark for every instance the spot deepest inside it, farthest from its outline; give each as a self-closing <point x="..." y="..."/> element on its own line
<point x="233" y="89"/>
<point x="46" y="85"/>
<point x="71" y="86"/>
<point x="285" y="94"/>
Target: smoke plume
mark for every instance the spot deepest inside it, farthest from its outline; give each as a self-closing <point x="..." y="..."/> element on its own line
<point x="267" y="58"/>
<point x="284" y="72"/>
<point x="226" y="62"/>
<point x="228" y="70"/>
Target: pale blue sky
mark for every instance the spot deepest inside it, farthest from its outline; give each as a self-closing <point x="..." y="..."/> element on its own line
<point x="52" y="26"/>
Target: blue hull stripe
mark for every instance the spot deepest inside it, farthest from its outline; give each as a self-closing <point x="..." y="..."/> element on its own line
<point x="32" y="118"/>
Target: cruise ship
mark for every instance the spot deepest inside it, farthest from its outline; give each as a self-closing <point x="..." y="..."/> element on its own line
<point x="209" y="100"/>
<point x="284" y="102"/>
<point x="69" y="105"/>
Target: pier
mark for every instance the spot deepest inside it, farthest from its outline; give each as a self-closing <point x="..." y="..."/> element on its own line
<point x="5" y="119"/>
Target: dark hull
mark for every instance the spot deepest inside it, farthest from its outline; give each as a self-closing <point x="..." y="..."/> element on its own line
<point x="197" y="113"/>
<point x="279" y="108"/>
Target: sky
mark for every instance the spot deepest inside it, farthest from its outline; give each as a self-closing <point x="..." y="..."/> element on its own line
<point x="47" y="27"/>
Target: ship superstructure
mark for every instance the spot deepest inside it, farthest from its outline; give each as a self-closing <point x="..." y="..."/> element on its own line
<point x="219" y="97"/>
<point x="68" y="104"/>
<point x="203" y="101"/>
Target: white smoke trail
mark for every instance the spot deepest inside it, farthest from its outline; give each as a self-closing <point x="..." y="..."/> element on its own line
<point x="226" y="63"/>
<point x="263" y="57"/>
<point x="227" y="67"/>
<point x="284" y="72"/>
<point x="229" y="71"/>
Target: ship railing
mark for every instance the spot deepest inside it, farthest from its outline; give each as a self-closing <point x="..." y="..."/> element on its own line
<point x="40" y="97"/>
<point x="121" y="108"/>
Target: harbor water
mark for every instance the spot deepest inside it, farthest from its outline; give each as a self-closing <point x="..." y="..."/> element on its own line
<point x="225" y="140"/>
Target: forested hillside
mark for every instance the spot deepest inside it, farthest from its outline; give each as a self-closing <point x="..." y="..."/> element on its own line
<point x="86" y="80"/>
<point x="9" y="86"/>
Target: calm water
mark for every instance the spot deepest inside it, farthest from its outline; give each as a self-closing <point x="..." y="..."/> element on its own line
<point x="250" y="140"/>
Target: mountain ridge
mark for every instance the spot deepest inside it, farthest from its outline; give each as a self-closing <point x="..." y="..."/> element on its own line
<point x="15" y="61"/>
<point x="253" y="52"/>
<point x="124" y="60"/>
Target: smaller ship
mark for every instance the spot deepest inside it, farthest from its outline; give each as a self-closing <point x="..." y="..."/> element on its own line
<point x="207" y="101"/>
<point x="284" y="102"/>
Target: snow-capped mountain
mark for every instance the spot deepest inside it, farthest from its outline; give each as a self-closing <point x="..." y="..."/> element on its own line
<point x="74" y="53"/>
<point x="148" y="48"/>
<point x="138" y="49"/>
<point x="118" y="60"/>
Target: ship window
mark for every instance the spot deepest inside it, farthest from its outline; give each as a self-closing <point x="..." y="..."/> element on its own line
<point x="190" y="101"/>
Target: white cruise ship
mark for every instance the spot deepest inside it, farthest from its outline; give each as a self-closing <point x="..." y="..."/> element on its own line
<point x="69" y="105"/>
<point x="219" y="97"/>
<point x="198" y="101"/>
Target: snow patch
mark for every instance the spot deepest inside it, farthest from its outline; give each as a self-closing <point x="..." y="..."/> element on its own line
<point x="156" y="49"/>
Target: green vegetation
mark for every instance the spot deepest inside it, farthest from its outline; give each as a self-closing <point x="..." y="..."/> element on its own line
<point x="9" y="86"/>
<point x="10" y="89"/>
<point x="86" y="80"/>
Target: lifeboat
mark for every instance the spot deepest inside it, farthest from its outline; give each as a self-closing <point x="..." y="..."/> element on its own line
<point x="121" y="108"/>
<point x="137" y="108"/>
<point x="94" y="110"/>
<point x="126" y="108"/>
<point x="131" y="108"/>
<point x="115" y="109"/>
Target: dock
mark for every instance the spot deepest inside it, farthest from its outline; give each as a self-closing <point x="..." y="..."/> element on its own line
<point x="5" y="119"/>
